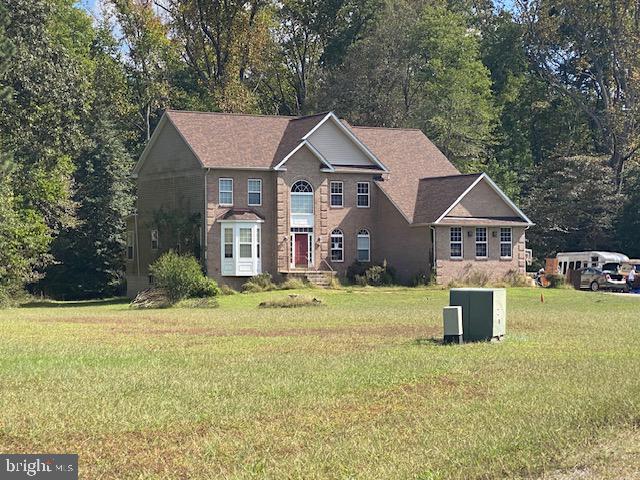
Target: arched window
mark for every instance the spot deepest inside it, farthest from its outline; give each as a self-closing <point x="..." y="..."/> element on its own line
<point x="301" y="197"/>
<point x="364" y="246"/>
<point x="337" y="246"/>
<point x="302" y="186"/>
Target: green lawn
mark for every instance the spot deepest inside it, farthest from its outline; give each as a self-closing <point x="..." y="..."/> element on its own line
<point x="359" y="388"/>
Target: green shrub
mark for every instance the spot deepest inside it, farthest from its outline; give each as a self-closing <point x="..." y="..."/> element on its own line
<point x="206" y="288"/>
<point x="180" y="277"/>
<point x="374" y="275"/>
<point x="259" y="283"/>
<point x="356" y="269"/>
<point x="294" y="284"/>
<point x="554" y="280"/>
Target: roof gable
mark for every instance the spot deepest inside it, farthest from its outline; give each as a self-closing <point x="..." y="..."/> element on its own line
<point x="459" y="197"/>
<point x="171" y="151"/>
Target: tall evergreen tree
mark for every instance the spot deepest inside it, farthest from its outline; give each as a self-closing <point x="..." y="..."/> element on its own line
<point x="89" y="255"/>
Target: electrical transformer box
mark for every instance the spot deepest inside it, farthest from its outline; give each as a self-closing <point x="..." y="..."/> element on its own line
<point x="484" y="312"/>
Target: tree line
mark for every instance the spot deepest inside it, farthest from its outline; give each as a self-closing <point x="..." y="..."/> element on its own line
<point x="542" y="95"/>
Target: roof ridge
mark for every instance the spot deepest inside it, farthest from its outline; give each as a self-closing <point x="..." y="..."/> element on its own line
<point x="323" y="114"/>
<point x="387" y="128"/>
<point x="289" y="117"/>
<point x="457" y="175"/>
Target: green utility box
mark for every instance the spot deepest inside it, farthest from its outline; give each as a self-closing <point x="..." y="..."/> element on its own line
<point x="484" y="312"/>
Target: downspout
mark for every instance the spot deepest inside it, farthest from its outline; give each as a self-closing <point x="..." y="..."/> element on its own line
<point x="205" y="217"/>
<point x="433" y="243"/>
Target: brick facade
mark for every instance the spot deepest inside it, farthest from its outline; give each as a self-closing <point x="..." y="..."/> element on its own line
<point x="448" y="269"/>
<point x="175" y="180"/>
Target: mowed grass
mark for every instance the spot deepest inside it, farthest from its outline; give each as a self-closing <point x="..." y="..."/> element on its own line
<point x="358" y="388"/>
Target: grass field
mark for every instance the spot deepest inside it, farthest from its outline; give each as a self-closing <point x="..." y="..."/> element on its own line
<point x="358" y="388"/>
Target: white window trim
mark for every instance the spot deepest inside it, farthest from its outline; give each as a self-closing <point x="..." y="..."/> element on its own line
<point x="368" y="205"/>
<point x="155" y="237"/>
<point x="249" y="192"/>
<point x="331" y="194"/>
<point x="225" y="243"/>
<point x="485" y="242"/>
<point x="220" y="192"/>
<point x="368" y="237"/>
<point x="510" y="243"/>
<point x="461" y="242"/>
<point x="331" y="249"/>
<point x="236" y="261"/>
<point x="131" y="244"/>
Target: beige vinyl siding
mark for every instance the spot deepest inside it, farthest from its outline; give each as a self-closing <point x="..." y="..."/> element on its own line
<point x="336" y="146"/>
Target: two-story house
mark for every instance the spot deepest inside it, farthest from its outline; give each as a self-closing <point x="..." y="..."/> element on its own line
<point x="299" y="195"/>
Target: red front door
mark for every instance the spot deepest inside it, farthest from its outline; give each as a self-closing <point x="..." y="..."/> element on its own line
<point x="302" y="250"/>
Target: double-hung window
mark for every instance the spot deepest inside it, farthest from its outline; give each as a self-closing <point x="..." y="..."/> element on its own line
<point x="337" y="194"/>
<point x="154" y="240"/>
<point x="225" y="191"/>
<point x="254" y="189"/>
<point x="481" y="242"/>
<point x="337" y="246"/>
<point x="245" y="242"/>
<point x="130" y="240"/>
<point x="363" y="246"/>
<point x="363" y="195"/>
<point x="228" y="242"/>
<point x="455" y="242"/>
<point x="505" y="242"/>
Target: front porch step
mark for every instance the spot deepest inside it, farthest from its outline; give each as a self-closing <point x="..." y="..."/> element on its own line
<point x="319" y="278"/>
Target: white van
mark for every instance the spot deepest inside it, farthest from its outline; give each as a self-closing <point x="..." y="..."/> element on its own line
<point x="607" y="261"/>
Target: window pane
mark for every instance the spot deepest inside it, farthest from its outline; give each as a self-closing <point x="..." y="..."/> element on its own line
<point x="226" y="198"/>
<point x="363" y="200"/>
<point x="226" y="184"/>
<point x="481" y="234"/>
<point x="505" y="235"/>
<point x="481" y="249"/>
<point x="456" y="249"/>
<point x="363" y="255"/>
<point x="363" y="187"/>
<point x="336" y="200"/>
<point x="254" y="186"/>
<point x="228" y="243"/>
<point x="245" y="250"/>
<point x="245" y="235"/>
<point x="363" y="242"/>
<point x="301" y="203"/>
<point x="456" y="234"/>
<point x="505" y="249"/>
<point x="254" y="199"/>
